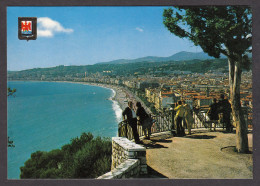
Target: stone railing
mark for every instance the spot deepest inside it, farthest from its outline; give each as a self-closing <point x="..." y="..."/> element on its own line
<point x="128" y="169"/>
<point x="128" y="160"/>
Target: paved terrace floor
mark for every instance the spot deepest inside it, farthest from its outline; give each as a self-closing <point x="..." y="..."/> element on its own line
<point x="203" y="154"/>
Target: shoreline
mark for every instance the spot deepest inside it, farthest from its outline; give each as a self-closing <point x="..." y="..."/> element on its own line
<point x="15" y="164"/>
<point x="121" y="96"/>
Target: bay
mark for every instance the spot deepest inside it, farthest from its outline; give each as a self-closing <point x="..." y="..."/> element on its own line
<point x="46" y="115"/>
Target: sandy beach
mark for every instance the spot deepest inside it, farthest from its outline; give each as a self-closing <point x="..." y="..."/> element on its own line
<point x="121" y="96"/>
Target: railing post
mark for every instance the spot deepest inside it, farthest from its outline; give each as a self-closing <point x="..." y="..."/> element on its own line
<point x="119" y="130"/>
<point x="172" y="123"/>
<point x="160" y="122"/>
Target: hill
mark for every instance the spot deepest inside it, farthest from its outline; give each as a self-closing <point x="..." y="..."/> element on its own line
<point x="126" y="69"/>
<point x="180" y="56"/>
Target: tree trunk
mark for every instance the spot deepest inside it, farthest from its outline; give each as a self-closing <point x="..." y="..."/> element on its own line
<point x="235" y="72"/>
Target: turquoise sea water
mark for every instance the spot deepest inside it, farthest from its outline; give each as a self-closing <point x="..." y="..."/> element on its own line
<point x="46" y="115"/>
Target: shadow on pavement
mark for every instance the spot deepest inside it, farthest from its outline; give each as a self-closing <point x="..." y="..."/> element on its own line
<point x="152" y="174"/>
<point x="232" y="150"/>
<point x="153" y="145"/>
<point x="161" y="140"/>
<point x="226" y="132"/>
<point x="200" y="137"/>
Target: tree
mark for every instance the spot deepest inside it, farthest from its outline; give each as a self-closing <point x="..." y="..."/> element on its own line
<point x="10" y="142"/>
<point x="219" y="30"/>
<point x="10" y="92"/>
<point x="83" y="157"/>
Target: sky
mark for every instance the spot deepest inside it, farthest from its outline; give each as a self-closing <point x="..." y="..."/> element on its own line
<point x="88" y="35"/>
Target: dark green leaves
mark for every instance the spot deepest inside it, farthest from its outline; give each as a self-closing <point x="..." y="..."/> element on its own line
<point x="10" y="92"/>
<point x="217" y="29"/>
<point x="84" y="157"/>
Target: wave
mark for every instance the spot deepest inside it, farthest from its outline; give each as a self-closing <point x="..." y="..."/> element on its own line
<point x="118" y="111"/>
<point x="116" y="107"/>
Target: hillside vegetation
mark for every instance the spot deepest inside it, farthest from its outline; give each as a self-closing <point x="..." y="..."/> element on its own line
<point x="83" y="157"/>
<point x="142" y="68"/>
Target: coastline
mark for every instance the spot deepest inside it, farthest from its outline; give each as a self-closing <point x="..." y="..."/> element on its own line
<point x="119" y="96"/>
<point x="122" y="96"/>
<point x="21" y="141"/>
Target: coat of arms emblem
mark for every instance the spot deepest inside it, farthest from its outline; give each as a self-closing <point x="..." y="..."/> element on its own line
<point x="27" y="28"/>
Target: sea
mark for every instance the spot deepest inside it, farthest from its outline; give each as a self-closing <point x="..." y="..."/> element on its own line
<point x="43" y="116"/>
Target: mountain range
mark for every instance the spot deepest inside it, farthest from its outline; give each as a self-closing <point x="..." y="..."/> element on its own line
<point x="180" y="56"/>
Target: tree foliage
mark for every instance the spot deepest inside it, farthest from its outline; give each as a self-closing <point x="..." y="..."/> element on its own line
<point x="216" y="29"/>
<point x="83" y="157"/>
<point x="219" y="30"/>
<point x="10" y="92"/>
<point x="10" y="142"/>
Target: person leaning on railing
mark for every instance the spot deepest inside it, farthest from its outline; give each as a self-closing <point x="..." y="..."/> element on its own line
<point x="178" y="119"/>
<point x="213" y="113"/>
<point x="131" y="120"/>
<point x="188" y="116"/>
<point x="144" y="120"/>
<point x="225" y="107"/>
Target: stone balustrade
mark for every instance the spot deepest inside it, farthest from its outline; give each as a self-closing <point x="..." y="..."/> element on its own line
<point x="128" y="169"/>
<point x="128" y="159"/>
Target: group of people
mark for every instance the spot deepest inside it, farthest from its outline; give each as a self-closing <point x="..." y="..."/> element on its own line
<point x="183" y="116"/>
<point x="221" y="107"/>
<point x="138" y="117"/>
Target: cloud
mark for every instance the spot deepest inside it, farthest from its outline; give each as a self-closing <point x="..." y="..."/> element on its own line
<point x="47" y="27"/>
<point x="139" y="29"/>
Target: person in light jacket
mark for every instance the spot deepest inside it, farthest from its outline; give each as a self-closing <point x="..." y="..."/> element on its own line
<point x="188" y="116"/>
<point x="179" y="118"/>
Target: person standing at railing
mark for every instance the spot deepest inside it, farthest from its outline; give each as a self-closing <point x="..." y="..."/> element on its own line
<point x="225" y="107"/>
<point x="188" y="116"/>
<point x="179" y="118"/>
<point x="144" y="120"/>
<point x="132" y="120"/>
<point x="213" y="112"/>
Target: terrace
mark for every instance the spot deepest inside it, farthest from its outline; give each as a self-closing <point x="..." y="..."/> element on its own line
<point x="203" y="154"/>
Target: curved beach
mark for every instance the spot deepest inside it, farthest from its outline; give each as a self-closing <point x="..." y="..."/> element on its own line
<point x="120" y="95"/>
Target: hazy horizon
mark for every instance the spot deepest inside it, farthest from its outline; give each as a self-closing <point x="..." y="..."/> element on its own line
<point x="100" y="62"/>
<point x="90" y="35"/>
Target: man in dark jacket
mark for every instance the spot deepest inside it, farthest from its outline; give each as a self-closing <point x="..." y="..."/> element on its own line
<point x="132" y="120"/>
<point x="225" y="108"/>
<point x="213" y="112"/>
<point x="144" y="120"/>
